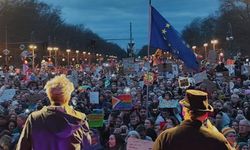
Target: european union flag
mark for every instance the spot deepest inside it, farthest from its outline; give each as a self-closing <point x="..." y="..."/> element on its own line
<point x="165" y="37"/>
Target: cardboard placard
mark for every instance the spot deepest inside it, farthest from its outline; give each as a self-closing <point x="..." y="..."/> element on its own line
<point x="137" y="144"/>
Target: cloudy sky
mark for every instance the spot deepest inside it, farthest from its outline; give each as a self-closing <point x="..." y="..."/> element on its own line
<point x="110" y="18"/>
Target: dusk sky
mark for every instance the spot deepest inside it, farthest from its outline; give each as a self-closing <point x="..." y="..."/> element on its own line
<point x="110" y="18"/>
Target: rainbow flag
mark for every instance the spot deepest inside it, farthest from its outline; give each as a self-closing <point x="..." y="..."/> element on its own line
<point x="122" y="102"/>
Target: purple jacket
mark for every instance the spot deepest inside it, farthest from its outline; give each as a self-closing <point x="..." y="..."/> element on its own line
<point x="53" y="129"/>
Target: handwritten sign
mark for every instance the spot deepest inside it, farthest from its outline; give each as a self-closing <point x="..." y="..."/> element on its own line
<point x="94" y="97"/>
<point x="137" y="144"/>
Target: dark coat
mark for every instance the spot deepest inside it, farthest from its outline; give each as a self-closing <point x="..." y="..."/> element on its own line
<point x="52" y="129"/>
<point x="190" y="135"/>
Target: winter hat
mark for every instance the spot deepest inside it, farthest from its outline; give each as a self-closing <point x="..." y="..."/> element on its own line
<point x="227" y="130"/>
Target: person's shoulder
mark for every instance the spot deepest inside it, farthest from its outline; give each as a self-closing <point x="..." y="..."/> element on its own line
<point x="75" y="113"/>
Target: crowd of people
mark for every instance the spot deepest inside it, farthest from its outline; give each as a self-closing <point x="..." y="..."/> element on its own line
<point x="229" y="95"/>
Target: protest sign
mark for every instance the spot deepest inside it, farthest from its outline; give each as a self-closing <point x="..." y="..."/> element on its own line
<point x="1" y="73"/>
<point x="212" y="57"/>
<point x="94" y="97"/>
<point x="137" y="144"/>
<point x="165" y="67"/>
<point x="168" y="103"/>
<point x="230" y="69"/>
<point x="175" y="70"/>
<point x="128" y="65"/>
<point x="7" y="94"/>
<point x="183" y="82"/>
<point x="95" y="119"/>
<point x="122" y="102"/>
<point x="141" y="84"/>
<point x="148" y="78"/>
<point x="199" y="77"/>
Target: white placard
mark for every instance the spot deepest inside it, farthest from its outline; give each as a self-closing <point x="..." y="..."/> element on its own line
<point x="94" y="97"/>
<point x="199" y="77"/>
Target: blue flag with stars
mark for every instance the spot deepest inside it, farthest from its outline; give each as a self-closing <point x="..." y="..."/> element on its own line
<point x="165" y="37"/>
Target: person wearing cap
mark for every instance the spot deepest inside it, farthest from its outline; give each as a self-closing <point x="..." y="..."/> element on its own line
<point x="195" y="132"/>
<point x="230" y="135"/>
<point x="57" y="126"/>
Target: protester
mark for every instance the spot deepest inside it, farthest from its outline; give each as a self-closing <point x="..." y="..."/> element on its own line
<point x="57" y="126"/>
<point x="227" y="93"/>
<point x="115" y="142"/>
<point x="192" y="134"/>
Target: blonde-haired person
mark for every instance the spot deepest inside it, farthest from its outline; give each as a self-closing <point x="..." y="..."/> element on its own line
<point x="58" y="126"/>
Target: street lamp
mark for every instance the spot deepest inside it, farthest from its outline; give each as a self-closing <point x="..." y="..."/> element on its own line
<point x="49" y="49"/>
<point x="205" y="46"/>
<point x="68" y="51"/>
<point x="77" y="57"/>
<point x="33" y="47"/>
<point x="214" y="42"/>
<point x="55" y="49"/>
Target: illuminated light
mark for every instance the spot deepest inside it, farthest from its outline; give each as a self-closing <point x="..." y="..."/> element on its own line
<point x="205" y="44"/>
<point x="126" y="89"/>
<point x="68" y="50"/>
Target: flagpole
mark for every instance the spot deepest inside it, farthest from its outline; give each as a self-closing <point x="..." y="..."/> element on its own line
<point x="149" y="32"/>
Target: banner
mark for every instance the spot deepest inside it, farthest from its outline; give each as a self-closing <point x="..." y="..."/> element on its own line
<point x="137" y="144"/>
<point x="94" y="97"/>
<point x="95" y="119"/>
<point x="199" y="77"/>
<point x="122" y="102"/>
<point x="168" y="103"/>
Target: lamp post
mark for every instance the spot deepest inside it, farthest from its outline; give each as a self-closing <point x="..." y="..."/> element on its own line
<point x="68" y="51"/>
<point x="205" y="47"/>
<point x="214" y="42"/>
<point x="77" y="56"/>
<point x="89" y="54"/>
<point x="50" y="49"/>
<point x="55" y="49"/>
<point x="33" y="47"/>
